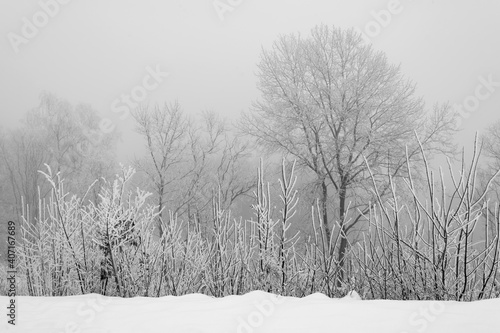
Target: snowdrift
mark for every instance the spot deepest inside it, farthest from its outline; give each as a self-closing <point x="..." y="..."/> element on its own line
<point x="254" y="312"/>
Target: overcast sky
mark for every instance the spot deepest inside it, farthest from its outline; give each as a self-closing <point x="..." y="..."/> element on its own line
<point x="96" y="52"/>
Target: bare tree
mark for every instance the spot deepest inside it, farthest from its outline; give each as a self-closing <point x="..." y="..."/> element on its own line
<point x="51" y="134"/>
<point x="490" y="146"/>
<point x="232" y="172"/>
<point x="165" y="131"/>
<point x="491" y="140"/>
<point x="332" y="102"/>
<point x="188" y="160"/>
<point x="22" y="155"/>
<point x="218" y="162"/>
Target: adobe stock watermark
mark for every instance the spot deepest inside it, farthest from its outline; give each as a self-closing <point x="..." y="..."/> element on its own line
<point x="87" y="311"/>
<point x="255" y="319"/>
<point x="471" y="103"/>
<point x="421" y="319"/>
<point x="31" y="27"/>
<point x="122" y="106"/>
<point x="224" y="6"/>
<point x="381" y="20"/>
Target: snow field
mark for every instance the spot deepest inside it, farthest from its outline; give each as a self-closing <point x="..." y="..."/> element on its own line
<point x="256" y="311"/>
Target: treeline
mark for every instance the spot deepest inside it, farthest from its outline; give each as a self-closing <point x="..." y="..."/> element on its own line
<point x="360" y="208"/>
<point x="425" y="246"/>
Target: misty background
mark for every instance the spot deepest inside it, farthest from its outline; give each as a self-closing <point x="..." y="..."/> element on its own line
<point x="94" y="51"/>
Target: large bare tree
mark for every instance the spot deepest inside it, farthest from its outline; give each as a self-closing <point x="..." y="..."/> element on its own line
<point x="337" y="106"/>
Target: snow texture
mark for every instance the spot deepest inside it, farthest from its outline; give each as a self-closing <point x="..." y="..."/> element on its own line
<point x="254" y="312"/>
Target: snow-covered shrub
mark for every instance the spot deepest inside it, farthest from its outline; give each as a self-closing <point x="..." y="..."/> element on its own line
<point x="424" y="245"/>
<point x="439" y="245"/>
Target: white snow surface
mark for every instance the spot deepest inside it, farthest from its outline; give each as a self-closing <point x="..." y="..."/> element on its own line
<point x="253" y="312"/>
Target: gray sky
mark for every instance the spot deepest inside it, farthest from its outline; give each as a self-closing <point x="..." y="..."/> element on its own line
<point x="98" y="51"/>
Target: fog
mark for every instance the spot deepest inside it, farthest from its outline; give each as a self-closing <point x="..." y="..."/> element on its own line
<point x="95" y="51"/>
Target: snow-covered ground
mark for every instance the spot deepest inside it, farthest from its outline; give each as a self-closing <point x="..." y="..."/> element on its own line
<point x="254" y="312"/>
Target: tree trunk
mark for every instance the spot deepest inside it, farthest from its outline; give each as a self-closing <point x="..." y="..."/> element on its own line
<point x="160" y="207"/>
<point x="342" y="236"/>
<point x="324" y="199"/>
